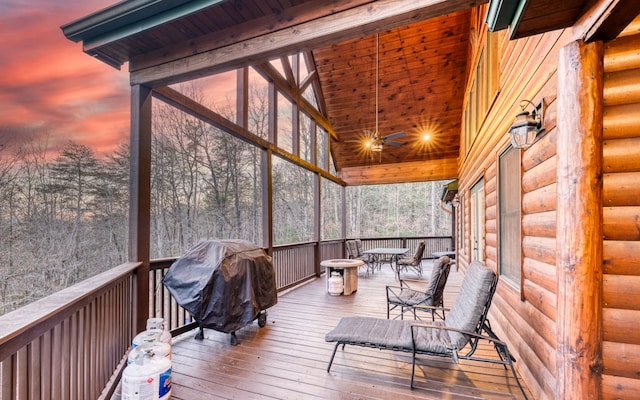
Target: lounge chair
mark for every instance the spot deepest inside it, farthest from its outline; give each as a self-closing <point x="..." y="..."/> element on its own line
<point x="462" y="328"/>
<point x="414" y="261"/>
<point x="407" y="298"/>
<point x="354" y="251"/>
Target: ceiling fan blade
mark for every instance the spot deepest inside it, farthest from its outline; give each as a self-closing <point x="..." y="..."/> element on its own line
<point x="392" y="143"/>
<point x="395" y="135"/>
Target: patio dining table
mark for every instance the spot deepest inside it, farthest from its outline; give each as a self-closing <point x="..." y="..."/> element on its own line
<point x="393" y="252"/>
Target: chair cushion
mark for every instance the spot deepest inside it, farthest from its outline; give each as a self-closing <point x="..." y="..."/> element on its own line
<point x="467" y="310"/>
<point x="359" y="247"/>
<point x="352" y="249"/>
<point x="389" y="333"/>
<point x="375" y="331"/>
<point x="436" y="341"/>
<point x="409" y="297"/>
<point x="438" y="265"/>
<point x="414" y="259"/>
<point x="405" y="261"/>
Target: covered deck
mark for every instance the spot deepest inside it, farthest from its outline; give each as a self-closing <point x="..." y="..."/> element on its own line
<point x="549" y="316"/>
<point x="287" y="359"/>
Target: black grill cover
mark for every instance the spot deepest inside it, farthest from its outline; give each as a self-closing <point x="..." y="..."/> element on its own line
<point x="223" y="284"/>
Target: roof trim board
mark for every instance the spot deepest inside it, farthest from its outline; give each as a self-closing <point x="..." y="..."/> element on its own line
<point x="125" y="19"/>
<point x="131" y="16"/>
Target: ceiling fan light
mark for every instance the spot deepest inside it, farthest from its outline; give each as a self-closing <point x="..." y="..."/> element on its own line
<point x="377" y="147"/>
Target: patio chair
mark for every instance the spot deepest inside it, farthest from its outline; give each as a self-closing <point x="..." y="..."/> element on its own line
<point x="414" y="261"/>
<point x="463" y="327"/>
<point x="355" y="251"/>
<point x="407" y="298"/>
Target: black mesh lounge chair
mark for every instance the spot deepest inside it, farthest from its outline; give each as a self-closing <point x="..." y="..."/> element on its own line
<point x="463" y="327"/>
<point x="354" y="251"/>
<point x="414" y="262"/>
<point x="406" y="298"/>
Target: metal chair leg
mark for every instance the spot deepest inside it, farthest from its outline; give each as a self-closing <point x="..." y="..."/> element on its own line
<point x="332" y="355"/>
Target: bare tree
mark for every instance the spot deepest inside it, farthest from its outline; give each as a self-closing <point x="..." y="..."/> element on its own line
<point x="74" y="173"/>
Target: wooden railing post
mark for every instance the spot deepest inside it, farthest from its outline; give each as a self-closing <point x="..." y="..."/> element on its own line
<point x="579" y="221"/>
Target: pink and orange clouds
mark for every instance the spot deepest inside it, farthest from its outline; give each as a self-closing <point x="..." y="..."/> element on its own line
<point x="49" y="88"/>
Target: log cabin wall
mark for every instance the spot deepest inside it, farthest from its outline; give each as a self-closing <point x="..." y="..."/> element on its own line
<point x="525" y="316"/>
<point x="621" y="211"/>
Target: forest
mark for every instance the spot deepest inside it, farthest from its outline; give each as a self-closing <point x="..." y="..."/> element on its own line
<point x="64" y="214"/>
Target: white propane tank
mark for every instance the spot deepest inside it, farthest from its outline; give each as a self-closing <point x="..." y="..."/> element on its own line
<point x="335" y="284"/>
<point x="148" y="377"/>
<point x="152" y="337"/>
<point x="158" y="323"/>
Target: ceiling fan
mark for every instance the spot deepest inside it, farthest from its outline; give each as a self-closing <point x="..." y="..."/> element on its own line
<point x="375" y="142"/>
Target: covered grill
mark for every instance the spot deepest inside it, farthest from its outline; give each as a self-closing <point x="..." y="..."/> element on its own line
<point x="223" y="284"/>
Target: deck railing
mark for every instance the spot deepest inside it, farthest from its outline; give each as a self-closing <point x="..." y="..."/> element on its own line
<point x="72" y="344"/>
<point x="432" y="243"/>
<point x="67" y="345"/>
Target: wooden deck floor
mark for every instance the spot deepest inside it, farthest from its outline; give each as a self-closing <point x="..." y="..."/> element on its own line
<point x="287" y="359"/>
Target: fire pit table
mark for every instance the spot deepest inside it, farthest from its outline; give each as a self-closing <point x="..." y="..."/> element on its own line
<point x="348" y="269"/>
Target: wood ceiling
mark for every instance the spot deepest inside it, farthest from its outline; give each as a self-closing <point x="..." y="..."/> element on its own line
<point x="423" y="55"/>
<point x="422" y="74"/>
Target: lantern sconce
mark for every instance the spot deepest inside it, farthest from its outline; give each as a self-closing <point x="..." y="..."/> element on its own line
<point x="527" y="125"/>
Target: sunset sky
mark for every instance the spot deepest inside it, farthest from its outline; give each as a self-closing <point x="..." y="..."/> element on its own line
<point x="49" y="89"/>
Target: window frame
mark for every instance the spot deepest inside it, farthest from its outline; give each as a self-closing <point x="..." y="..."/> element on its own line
<point x="509" y="211"/>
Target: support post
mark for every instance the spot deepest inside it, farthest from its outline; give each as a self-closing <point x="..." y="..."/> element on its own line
<point x="317" y="223"/>
<point x="343" y="225"/>
<point x="140" y="199"/>
<point x="267" y="200"/>
<point x="579" y="221"/>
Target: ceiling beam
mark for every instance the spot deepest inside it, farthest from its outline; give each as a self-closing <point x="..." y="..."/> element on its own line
<point x="613" y="17"/>
<point x="347" y="24"/>
<point x="414" y="171"/>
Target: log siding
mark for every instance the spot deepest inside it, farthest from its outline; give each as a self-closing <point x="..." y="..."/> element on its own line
<point x="528" y="315"/>
<point x="525" y="313"/>
<point x="621" y="212"/>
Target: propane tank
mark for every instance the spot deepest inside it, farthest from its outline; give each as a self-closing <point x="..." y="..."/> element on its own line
<point x="158" y="323"/>
<point x="152" y="337"/>
<point x="335" y="284"/>
<point x="148" y="377"/>
<point x="155" y="324"/>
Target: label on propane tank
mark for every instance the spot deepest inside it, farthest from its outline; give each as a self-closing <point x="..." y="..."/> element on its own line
<point x="149" y="387"/>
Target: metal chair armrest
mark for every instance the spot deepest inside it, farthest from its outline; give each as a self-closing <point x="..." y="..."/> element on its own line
<point x="500" y="346"/>
<point x="423" y="307"/>
<point x="491" y="339"/>
<point x="396" y="290"/>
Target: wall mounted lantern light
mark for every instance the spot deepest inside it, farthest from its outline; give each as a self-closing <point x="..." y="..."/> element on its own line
<point x="527" y="125"/>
